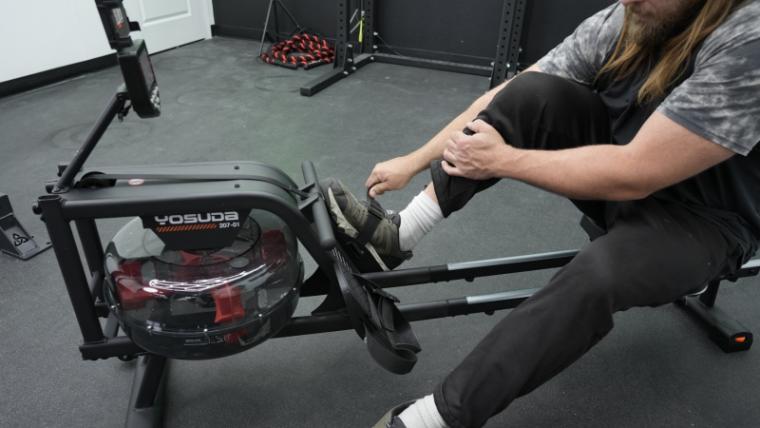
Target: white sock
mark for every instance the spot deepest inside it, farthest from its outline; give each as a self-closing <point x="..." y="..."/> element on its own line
<point x="423" y="414"/>
<point x="417" y="219"/>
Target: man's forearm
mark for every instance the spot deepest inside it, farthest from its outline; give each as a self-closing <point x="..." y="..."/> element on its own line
<point x="434" y="148"/>
<point x="662" y="154"/>
<point x="600" y="172"/>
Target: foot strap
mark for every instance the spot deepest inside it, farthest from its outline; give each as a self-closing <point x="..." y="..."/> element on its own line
<point x="375" y="317"/>
<point x="375" y="215"/>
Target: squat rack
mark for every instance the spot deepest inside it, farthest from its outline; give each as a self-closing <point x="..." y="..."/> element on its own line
<point x="351" y="55"/>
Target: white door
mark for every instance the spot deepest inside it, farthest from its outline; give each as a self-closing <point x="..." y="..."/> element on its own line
<point x="170" y="23"/>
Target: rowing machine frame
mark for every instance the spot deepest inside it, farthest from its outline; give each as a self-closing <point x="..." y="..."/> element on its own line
<point x="69" y="204"/>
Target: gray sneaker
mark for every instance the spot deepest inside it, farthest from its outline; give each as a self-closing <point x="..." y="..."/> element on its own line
<point x="366" y="232"/>
<point x="391" y="419"/>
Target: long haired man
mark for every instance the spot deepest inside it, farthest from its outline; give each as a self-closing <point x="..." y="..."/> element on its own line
<point x="647" y="117"/>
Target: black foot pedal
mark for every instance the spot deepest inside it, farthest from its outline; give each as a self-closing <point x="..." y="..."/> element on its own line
<point x="14" y="240"/>
<point x="376" y="319"/>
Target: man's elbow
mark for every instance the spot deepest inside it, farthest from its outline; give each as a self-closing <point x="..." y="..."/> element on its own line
<point x="484" y="100"/>
<point x="632" y="190"/>
<point x="632" y="178"/>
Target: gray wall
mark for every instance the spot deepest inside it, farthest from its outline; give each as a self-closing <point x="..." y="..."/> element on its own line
<point x="455" y="30"/>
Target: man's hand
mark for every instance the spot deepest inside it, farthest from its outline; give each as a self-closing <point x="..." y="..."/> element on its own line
<point x="479" y="156"/>
<point x="392" y="174"/>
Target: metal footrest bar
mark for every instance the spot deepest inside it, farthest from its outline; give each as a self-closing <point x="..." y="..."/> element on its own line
<point x="338" y="321"/>
<point x="433" y="64"/>
<point x="471" y="270"/>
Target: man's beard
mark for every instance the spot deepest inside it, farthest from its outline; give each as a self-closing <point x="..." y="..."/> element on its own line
<point x="652" y="31"/>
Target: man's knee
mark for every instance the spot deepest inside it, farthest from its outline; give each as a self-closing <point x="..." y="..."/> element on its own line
<point x="531" y="93"/>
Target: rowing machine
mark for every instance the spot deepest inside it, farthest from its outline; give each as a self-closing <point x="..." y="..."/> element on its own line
<point x="207" y="264"/>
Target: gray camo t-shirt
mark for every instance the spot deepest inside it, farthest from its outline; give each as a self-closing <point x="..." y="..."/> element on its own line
<point x="720" y="101"/>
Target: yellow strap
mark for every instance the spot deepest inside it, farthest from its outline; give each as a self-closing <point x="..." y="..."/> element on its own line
<point x="361" y="29"/>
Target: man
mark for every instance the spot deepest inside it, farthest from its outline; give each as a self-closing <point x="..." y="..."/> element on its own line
<point x="648" y="119"/>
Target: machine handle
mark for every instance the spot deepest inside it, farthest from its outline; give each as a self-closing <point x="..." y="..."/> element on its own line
<point x="319" y="210"/>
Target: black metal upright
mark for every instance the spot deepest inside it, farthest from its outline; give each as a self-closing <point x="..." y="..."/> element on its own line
<point x="148" y="396"/>
<point x="345" y="64"/>
<point x="341" y="41"/>
<point x="508" y="49"/>
<point x="115" y="107"/>
<point x="368" y="36"/>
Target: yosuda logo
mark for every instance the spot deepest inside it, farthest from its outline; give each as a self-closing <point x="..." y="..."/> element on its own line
<point x="179" y="219"/>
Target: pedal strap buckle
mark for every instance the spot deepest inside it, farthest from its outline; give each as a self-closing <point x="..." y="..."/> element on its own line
<point x="375" y="216"/>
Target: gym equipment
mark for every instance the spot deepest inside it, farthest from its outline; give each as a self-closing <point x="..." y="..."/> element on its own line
<point x="354" y="52"/>
<point x="727" y="333"/>
<point x="302" y="50"/>
<point x="140" y="80"/>
<point x="274" y="5"/>
<point x="207" y="264"/>
<point x="186" y="303"/>
<point x="15" y="240"/>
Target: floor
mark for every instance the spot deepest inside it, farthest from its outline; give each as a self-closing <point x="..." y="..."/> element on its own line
<point x="655" y="369"/>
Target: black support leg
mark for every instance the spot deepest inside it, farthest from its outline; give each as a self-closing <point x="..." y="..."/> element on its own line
<point x="146" y="402"/>
<point x="351" y="66"/>
<point x="726" y="332"/>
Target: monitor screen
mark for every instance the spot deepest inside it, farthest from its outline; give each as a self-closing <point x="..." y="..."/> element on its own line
<point x="147" y="68"/>
<point x="140" y="79"/>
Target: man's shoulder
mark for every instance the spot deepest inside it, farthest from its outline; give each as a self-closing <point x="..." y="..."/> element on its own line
<point x="602" y="29"/>
<point x="747" y="13"/>
<point x="744" y="20"/>
<point x="611" y="16"/>
<point x="741" y="28"/>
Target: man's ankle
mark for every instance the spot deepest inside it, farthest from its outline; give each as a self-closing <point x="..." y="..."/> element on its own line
<point x="423" y="413"/>
<point x="418" y="219"/>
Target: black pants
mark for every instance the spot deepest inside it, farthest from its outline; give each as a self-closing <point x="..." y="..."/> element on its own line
<point x="654" y="252"/>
